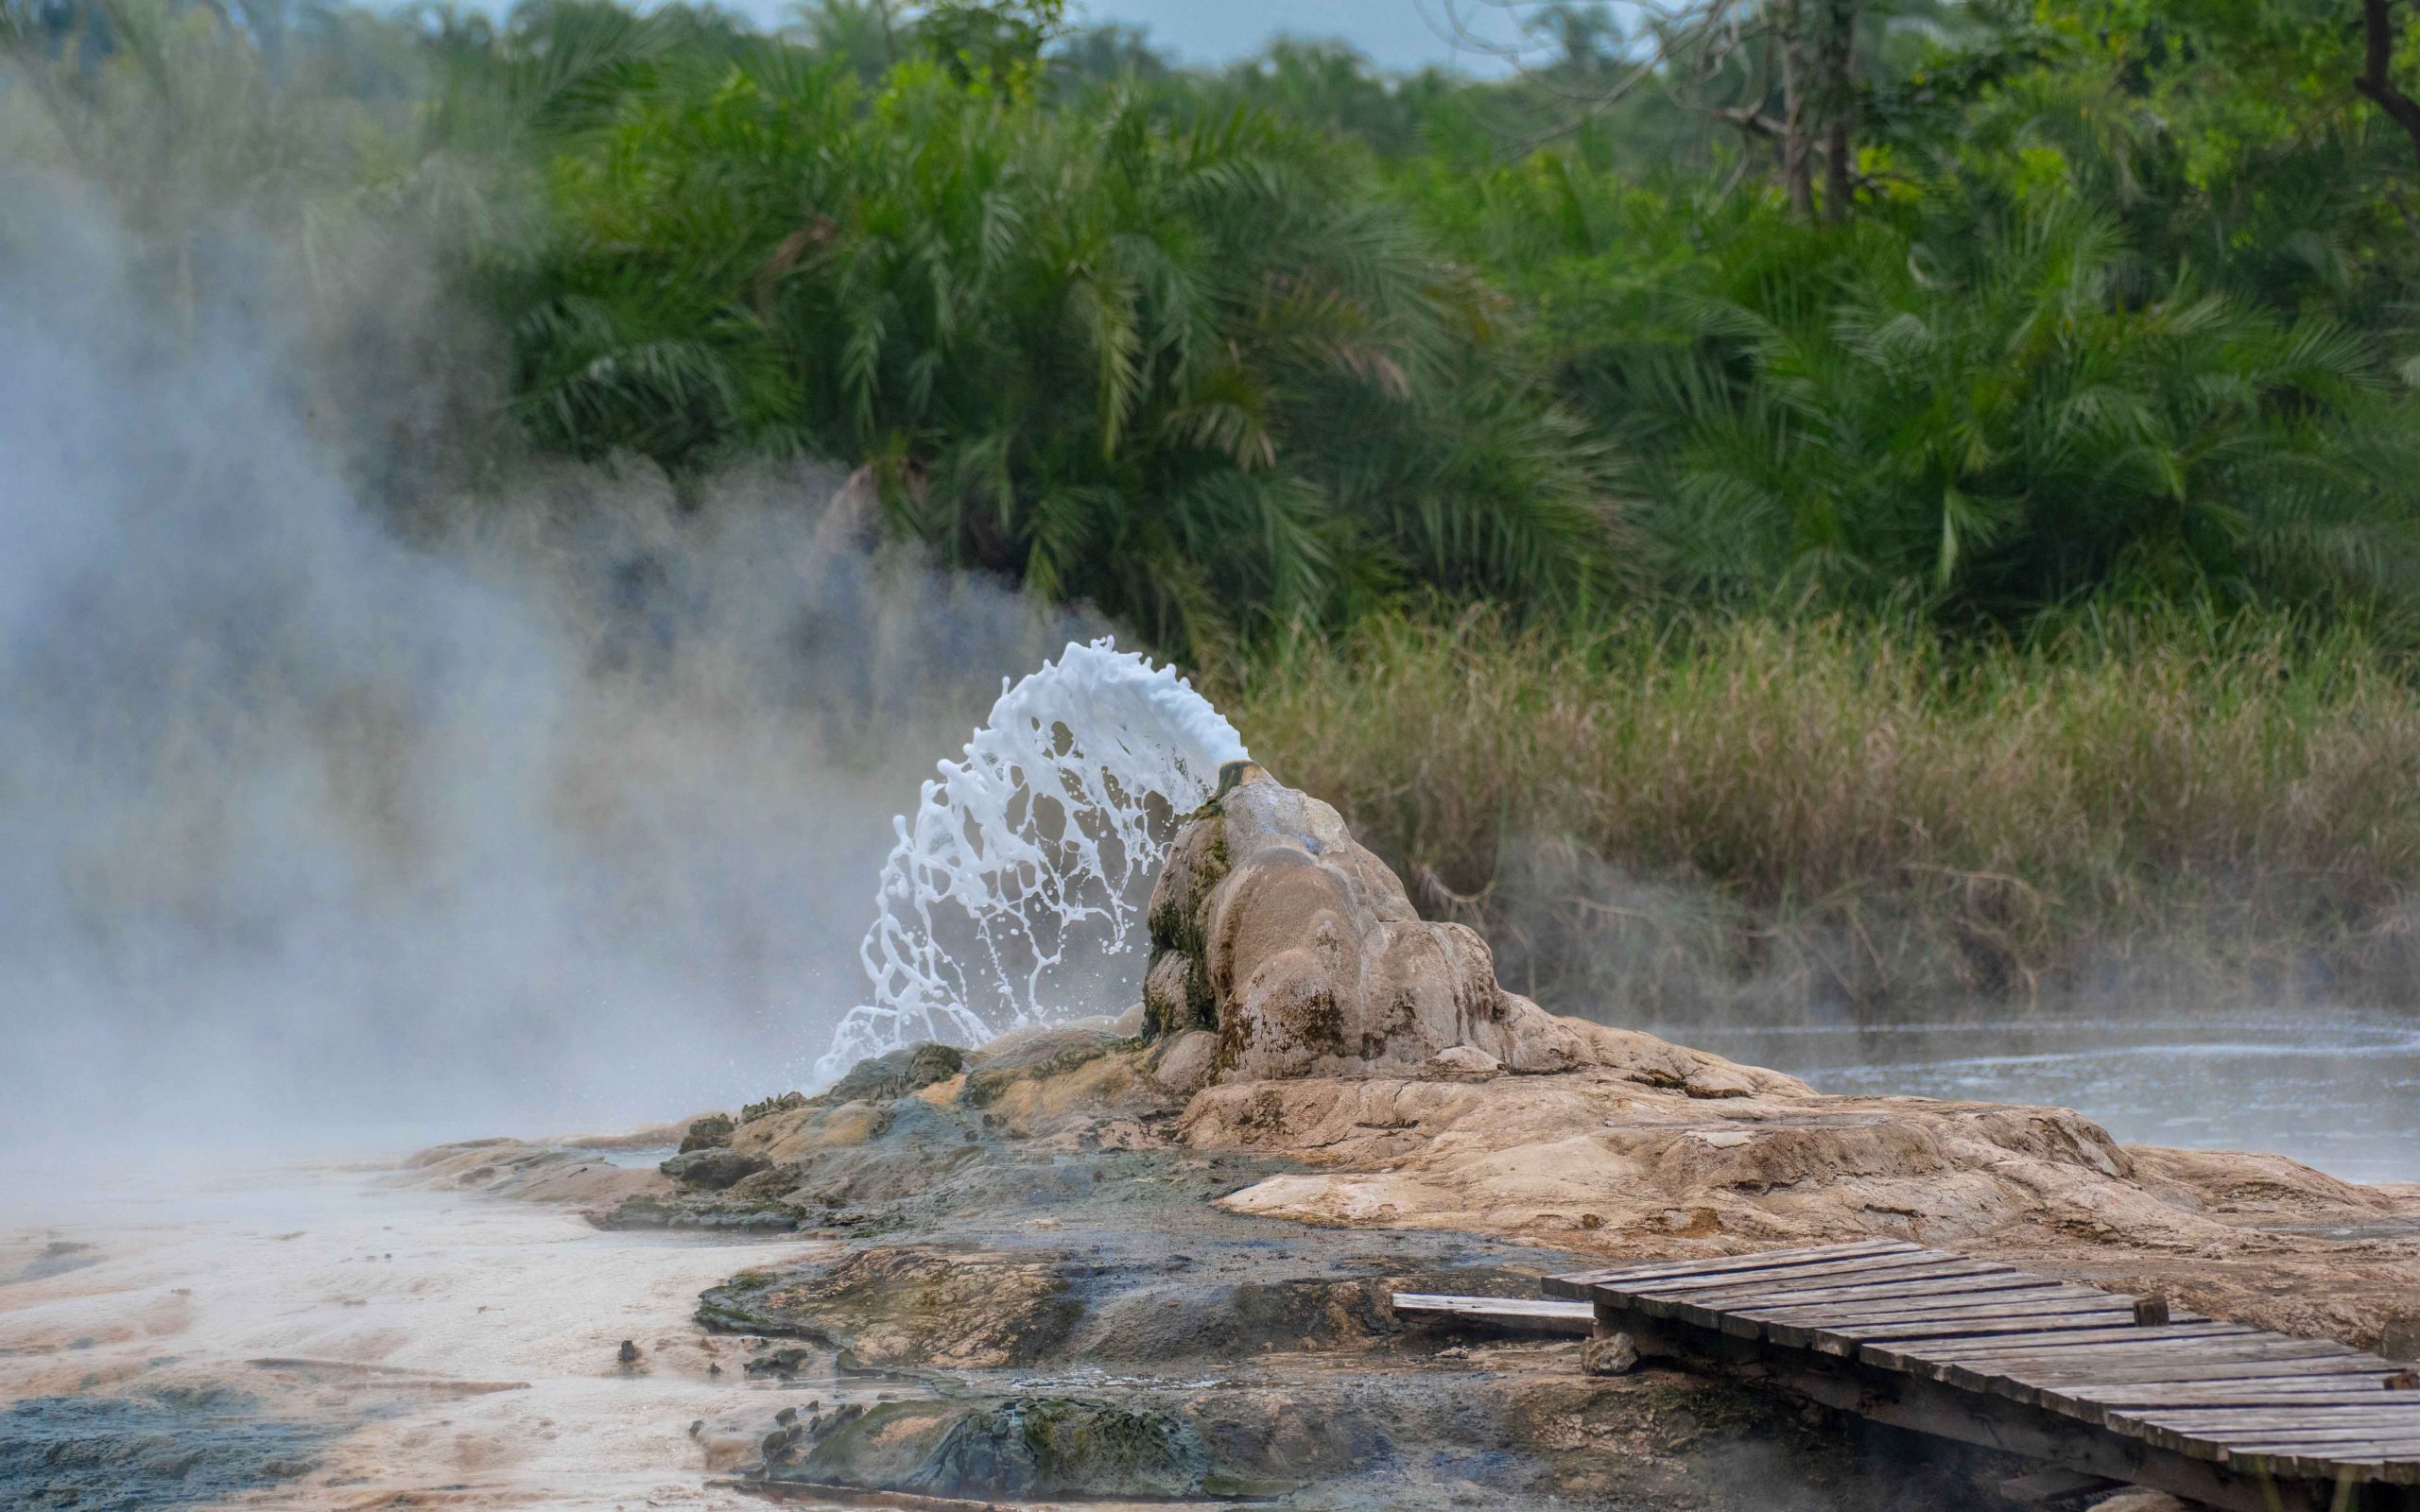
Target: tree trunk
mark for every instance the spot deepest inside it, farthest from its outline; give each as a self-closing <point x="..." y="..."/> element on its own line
<point x="2377" y="57"/>
<point x="1840" y="107"/>
<point x="1797" y="145"/>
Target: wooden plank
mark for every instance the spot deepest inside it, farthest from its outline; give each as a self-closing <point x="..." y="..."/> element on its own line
<point x="1981" y="1285"/>
<point x="2198" y="1390"/>
<point x="1979" y="1328"/>
<point x="2314" y="1418"/>
<point x="1711" y="1315"/>
<point x="2053" y="1336"/>
<point x="1750" y="1260"/>
<point x="2197" y="1435"/>
<point x="2224" y="1444"/>
<point x="2047" y="1337"/>
<point x="2242" y="1373"/>
<point x="1835" y="1328"/>
<point x="1578" y="1284"/>
<point x="1841" y="1274"/>
<point x="1920" y="1298"/>
<point x="1969" y="1322"/>
<point x="2047" y="1294"/>
<point x="2050" y="1388"/>
<point x="2290" y="1463"/>
<point x="2097" y="1410"/>
<point x="2314" y="1357"/>
<point x="2009" y="1427"/>
<point x="1999" y="1303"/>
<point x="2135" y="1346"/>
<point x="1492" y="1306"/>
<point x="2139" y="1373"/>
<point x="2376" y="1441"/>
<point x="2047" y="1390"/>
<point x="1873" y="1275"/>
<point x="2385" y="1409"/>
<point x="2361" y="1389"/>
<point x="1511" y="1314"/>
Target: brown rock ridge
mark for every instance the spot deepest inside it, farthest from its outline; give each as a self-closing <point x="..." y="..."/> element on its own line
<point x="1356" y="1065"/>
<point x="1283" y="949"/>
<point x="1298" y="997"/>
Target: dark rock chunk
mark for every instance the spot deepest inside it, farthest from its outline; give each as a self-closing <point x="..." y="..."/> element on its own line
<point x="57" y="1257"/>
<point x="712" y="1170"/>
<point x="898" y="1073"/>
<point x="1036" y="1053"/>
<point x="1057" y="1446"/>
<point x="1608" y="1354"/>
<point x="771" y="1106"/>
<point x="783" y="1363"/>
<point x="909" y="1305"/>
<point x="2400" y="1338"/>
<point x="771" y="1184"/>
<point x="704" y="1210"/>
<point x="710" y="1132"/>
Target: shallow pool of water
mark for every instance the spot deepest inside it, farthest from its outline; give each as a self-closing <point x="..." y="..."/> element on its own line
<point x="2339" y="1089"/>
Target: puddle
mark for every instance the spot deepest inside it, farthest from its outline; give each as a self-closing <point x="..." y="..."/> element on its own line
<point x="2337" y="1089"/>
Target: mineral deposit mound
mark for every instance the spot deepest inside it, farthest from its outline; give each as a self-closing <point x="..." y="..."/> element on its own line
<point x="1133" y="1257"/>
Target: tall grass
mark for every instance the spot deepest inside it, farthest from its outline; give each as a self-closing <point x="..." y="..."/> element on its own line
<point x="1667" y="818"/>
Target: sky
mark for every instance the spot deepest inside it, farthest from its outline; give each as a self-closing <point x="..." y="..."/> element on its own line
<point x="1396" y="34"/>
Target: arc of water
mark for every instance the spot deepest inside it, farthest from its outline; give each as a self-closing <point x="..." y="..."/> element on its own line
<point x="1042" y="825"/>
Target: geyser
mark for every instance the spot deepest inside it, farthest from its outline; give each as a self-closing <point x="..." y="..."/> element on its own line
<point x="1016" y="884"/>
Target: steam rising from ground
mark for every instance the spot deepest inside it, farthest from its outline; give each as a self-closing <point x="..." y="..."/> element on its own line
<point x="565" y="814"/>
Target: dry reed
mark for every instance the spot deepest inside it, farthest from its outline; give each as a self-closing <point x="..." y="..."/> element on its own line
<point x="1848" y="811"/>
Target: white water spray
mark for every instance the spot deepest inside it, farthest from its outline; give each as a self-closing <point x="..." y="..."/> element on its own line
<point x="1025" y="867"/>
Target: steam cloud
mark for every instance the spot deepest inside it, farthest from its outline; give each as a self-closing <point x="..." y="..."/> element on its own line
<point x="570" y="813"/>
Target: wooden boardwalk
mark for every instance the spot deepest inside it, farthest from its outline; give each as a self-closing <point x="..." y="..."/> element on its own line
<point x="1507" y="1315"/>
<point x="2102" y="1382"/>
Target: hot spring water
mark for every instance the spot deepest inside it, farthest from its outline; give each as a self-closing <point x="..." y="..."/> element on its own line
<point x="1012" y="894"/>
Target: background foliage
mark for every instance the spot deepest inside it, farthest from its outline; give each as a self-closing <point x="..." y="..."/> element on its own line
<point x="1942" y="472"/>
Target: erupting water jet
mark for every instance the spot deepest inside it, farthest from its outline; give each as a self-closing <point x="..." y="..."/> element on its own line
<point x="1045" y="835"/>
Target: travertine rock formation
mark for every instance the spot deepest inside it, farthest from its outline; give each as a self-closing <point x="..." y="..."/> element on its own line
<point x="1284" y="949"/>
<point x="1357" y="1067"/>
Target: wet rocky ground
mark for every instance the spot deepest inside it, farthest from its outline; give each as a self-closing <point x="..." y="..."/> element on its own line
<point x="1014" y="1308"/>
<point x="169" y="1448"/>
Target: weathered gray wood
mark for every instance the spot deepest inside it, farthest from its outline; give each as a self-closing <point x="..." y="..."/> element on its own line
<point x="2197" y="1389"/>
<point x="1926" y="1407"/>
<point x="1837" y="1328"/>
<point x="2116" y="1405"/>
<point x="2044" y="1294"/>
<point x="2073" y="1387"/>
<point x="2359" y="1390"/>
<point x="1980" y="1285"/>
<point x="2120" y="1370"/>
<point x="1512" y="1314"/>
<point x="2183" y="1338"/>
<point x="2278" y="1423"/>
<point x="1843" y="1338"/>
<point x="2145" y="1346"/>
<point x="1865" y="1270"/>
<point x="2044" y="1347"/>
<point x="1711" y="1313"/>
<point x="1579" y="1284"/>
<point x="2054" y="1388"/>
<point x="2049" y="1328"/>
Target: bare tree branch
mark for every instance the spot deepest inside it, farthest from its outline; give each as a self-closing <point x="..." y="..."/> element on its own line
<point x="2378" y="59"/>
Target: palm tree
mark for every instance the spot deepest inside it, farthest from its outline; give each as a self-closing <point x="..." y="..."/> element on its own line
<point x="1200" y="376"/>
